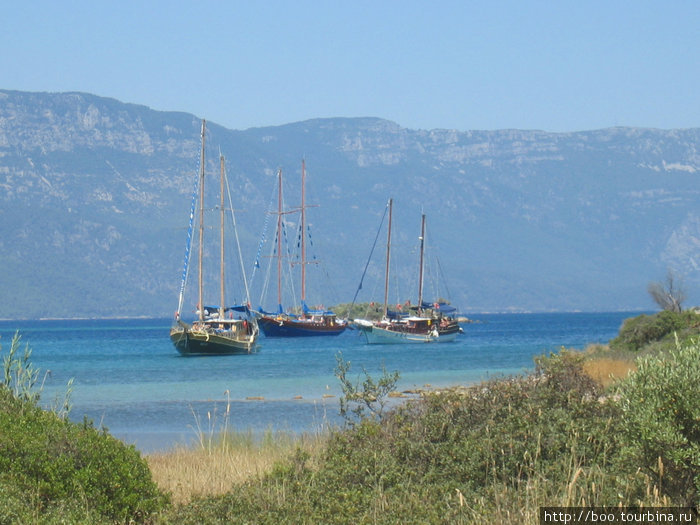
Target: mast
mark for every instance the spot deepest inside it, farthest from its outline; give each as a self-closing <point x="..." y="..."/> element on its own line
<point x="222" y="307"/>
<point x="279" y="239"/>
<point x="303" y="232"/>
<point x="201" y="221"/>
<point x="420" y="273"/>
<point x="388" y="258"/>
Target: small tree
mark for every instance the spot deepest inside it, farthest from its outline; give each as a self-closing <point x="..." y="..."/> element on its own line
<point x="370" y="397"/>
<point x="668" y="295"/>
<point x="661" y="412"/>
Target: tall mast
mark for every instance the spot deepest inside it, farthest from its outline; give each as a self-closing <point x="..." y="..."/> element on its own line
<point x="303" y="232"/>
<point x="279" y="239"/>
<point x="420" y="273"/>
<point x="222" y="306"/>
<point x="388" y="258"/>
<point x="201" y="221"/>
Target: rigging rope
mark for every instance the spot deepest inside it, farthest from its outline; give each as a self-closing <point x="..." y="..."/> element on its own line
<point x="238" y="242"/>
<point x="286" y="252"/>
<point x="376" y="238"/>
<point x="185" y="270"/>
<point x="263" y="239"/>
<point x="288" y="281"/>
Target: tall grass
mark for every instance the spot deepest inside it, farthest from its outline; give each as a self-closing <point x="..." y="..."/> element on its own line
<point x="607" y="370"/>
<point x="223" y="457"/>
<point x="19" y="375"/>
<point x="21" y="378"/>
<point x="236" y="457"/>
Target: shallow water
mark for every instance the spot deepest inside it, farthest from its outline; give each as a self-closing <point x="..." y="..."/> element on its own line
<point x="129" y="378"/>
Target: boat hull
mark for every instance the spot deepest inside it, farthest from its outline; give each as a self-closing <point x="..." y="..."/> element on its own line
<point x="190" y="342"/>
<point x="378" y="335"/>
<point x="273" y="327"/>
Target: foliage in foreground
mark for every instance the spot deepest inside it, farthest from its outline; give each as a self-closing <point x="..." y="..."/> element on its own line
<point x="656" y="331"/>
<point x="228" y="461"/>
<point x="661" y="408"/>
<point x="493" y="453"/>
<point x="56" y="471"/>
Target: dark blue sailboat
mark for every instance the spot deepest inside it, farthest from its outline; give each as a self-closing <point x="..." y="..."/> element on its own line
<point x="308" y="322"/>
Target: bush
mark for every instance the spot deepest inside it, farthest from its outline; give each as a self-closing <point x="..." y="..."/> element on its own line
<point x="368" y="399"/>
<point x="61" y="463"/>
<point x="661" y="409"/>
<point x="636" y="332"/>
<point x="512" y="433"/>
<point x="53" y="470"/>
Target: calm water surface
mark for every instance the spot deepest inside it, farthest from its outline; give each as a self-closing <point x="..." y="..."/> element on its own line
<point x="129" y="378"/>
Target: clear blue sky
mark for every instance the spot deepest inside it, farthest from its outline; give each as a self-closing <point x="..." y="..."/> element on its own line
<point x="555" y="65"/>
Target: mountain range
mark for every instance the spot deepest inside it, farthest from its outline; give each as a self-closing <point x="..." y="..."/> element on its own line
<point x="95" y="198"/>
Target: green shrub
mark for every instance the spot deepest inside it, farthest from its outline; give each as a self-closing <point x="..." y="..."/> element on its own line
<point x="20" y="505"/>
<point x="368" y="399"/>
<point x="661" y="409"/>
<point x="372" y="311"/>
<point x="509" y="433"/>
<point x="68" y="469"/>
<point x="636" y="332"/>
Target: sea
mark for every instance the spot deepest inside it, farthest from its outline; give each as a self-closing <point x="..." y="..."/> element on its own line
<point x="128" y="378"/>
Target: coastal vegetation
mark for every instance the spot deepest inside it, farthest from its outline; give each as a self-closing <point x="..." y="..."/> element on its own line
<point x="371" y="311"/>
<point x="489" y="453"/>
<point x="55" y="471"/>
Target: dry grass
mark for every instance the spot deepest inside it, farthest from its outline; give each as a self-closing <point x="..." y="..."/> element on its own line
<point x="187" y="473"/>
<point x="607" y="370"/>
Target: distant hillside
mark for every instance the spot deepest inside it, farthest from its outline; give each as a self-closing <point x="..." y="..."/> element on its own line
<point x="96" y="193"/>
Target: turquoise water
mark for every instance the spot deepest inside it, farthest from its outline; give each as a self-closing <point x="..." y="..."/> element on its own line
<point x="129" y="378"/>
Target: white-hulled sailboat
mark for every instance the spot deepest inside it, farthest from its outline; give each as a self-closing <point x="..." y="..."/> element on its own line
<point x="429" y="324"/>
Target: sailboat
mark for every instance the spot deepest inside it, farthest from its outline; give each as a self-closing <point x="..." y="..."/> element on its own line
<point x="309" y="322"/>
<point x="425" y="323"/>
<point x="217" y="330"/>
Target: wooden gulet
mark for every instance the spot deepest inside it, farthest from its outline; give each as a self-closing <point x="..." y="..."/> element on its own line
<point x="308" y="322"/>
<point x="213" y="333"/>
<point x="424" y="327"/>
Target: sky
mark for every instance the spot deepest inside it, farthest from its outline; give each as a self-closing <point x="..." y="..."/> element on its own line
<point x="553" y="65"/>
